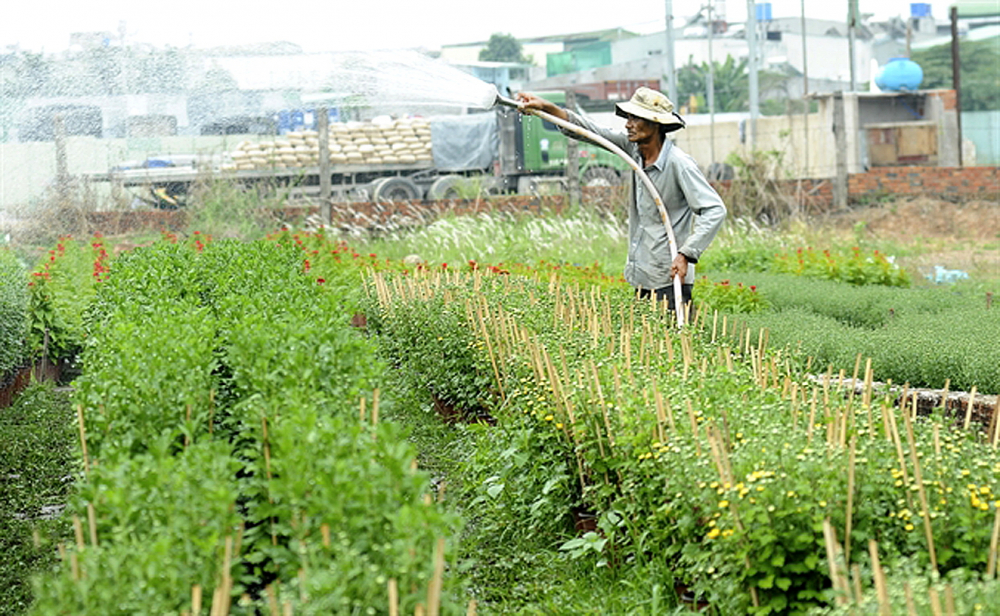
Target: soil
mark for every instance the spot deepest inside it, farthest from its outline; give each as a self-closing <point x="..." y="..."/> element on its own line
<point x="963" y="236"/>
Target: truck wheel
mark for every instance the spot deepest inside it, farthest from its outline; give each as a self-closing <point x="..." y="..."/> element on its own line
<point x="601" y="176"/>
<point x="446" y="187"/>
<point x="396" y="188"/>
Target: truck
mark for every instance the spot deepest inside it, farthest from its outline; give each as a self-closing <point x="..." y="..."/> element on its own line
<point x="494" y="152"/>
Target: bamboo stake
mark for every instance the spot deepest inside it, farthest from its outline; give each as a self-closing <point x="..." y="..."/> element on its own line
<point x="812" y="416"/>
<point x="859" y="592"/>
<point x="375" y="405"/>
<point x="949" y="600"/>
<point x="694" y="427"/>
<point x="227" y="580"/>
<point x="911" y="609"/>
<point x="884" y="406"/>
<point x="489" y="349"/>
<point x="83" y="439"/>
<point x="928" y="531"/>
<point x="795" y="404"/>
<point x="393" y="598"/>
<point x="837" y="579"/>
<point x="944" y="396"/>
<point x="715" y="325"/>
<point x="78" y="533"/>
<point x="881" y="587"/>
<point x="604" y="406"/>
<point x="935" y="602"/>
<point x="74" y="566"/>
<point x="968" y="409"/>
<point x="850" y="500"/>
<point x="996" y="427"/>
<point x="471" y="611"/>
<point x="92" y="522"/>
<point x="991" y="567"/>
<point x="854" y="379"/>
<point x="362" y="412"/>
<point x="866" y="398"/>
<point x="434" y="590"/>
<point x="196" y="599"/>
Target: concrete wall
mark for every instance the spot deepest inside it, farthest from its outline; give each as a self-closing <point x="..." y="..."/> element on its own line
<point x="28" y="169"/>
<point x="804" y="146"/>
<point x="983" y="129"/>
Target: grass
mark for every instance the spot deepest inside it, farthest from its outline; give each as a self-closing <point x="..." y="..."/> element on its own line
<point x="511" y="571"/>
<point x="37" y="464"/>
<point x="581" y="237"/>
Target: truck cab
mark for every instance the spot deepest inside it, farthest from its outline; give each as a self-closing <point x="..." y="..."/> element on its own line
<point x="533" y="153"/>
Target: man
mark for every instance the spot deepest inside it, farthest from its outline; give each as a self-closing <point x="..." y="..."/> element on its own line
<point x="696" y="211"/>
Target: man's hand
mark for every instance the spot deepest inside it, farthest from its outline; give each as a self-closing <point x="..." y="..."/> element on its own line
<point x="679" y="267"/>
<point x="530" y="101"/>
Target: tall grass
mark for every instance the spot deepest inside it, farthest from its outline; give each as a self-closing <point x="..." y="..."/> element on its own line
<point x="580" y="237"/>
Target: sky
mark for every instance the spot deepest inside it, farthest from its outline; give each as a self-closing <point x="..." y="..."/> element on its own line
<point x="352" y="25"/>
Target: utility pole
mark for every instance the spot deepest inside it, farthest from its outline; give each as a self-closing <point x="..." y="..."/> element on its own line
<point x="956" y="77"/>
<point x="751" y="34"/>
<point x="805" y="89"/>
<point x="711" y="81"/>
<point x="323" y="128"/>
<point x="852" y="22"/>
<point x="668" y="54"/>
<point x="62" y="165"/>
<point x="840" y="143"/>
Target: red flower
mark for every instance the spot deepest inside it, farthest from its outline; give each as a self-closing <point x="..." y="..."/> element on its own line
<point x="307" y="265"/>
<point x="444" y="266"/>
<point x="753" y="287"/>
<point x="321" y="280"/>
<point x="197" y="232"/>
<point x="372" y="255"/>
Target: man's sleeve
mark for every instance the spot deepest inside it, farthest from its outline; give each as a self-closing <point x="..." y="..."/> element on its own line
<point x="619" y="138"/>
<point x="705" y="202"/>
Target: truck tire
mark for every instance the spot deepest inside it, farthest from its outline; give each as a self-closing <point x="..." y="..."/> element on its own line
<point x="446" y="187"/>
<point x="601" y="176"/>
<point x="395" y="188"/>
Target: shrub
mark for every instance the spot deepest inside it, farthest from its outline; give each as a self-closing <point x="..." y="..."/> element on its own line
<point x="13" y="313"/>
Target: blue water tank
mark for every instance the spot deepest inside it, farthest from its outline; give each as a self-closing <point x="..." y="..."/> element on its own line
<point x="899" y="74"/>
<point x="763" y="11"/>
<point x="920" y="9"/>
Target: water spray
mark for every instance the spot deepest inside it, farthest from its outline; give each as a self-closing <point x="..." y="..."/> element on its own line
<point x="499" y="99"/>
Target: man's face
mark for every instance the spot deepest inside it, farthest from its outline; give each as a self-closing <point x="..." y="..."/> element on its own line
<point x="639" y="129"/>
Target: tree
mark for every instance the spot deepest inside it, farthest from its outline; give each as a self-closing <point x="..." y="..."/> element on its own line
<point x="502" y="48"/>
<point x="732" y="84"/>
<point x="980" y="77"/>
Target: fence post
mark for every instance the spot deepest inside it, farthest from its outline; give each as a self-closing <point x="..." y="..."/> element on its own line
<point x="323" y="128"/>
<point x="840" y="141"/>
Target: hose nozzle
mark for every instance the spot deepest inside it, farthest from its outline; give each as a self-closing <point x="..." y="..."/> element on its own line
<point x="506" y="102"/>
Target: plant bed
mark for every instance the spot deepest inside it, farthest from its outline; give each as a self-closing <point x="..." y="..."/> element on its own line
<point x="953" y="405"/>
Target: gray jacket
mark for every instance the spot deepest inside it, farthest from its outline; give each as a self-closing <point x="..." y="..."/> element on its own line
<point x="696" y="211"/>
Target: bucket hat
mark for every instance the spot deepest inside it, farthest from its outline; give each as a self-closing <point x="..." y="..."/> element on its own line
<point x="651" y="105"/>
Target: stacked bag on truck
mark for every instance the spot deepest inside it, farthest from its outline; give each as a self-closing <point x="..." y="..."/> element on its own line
<point x="387" y="142"/>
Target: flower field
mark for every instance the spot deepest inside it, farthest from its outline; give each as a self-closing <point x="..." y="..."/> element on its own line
<point x="502" y="437"/>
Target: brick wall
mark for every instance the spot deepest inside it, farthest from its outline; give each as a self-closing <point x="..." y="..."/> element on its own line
<point x="940" y="182"/>
<point x="951" y="183"/>
<point x="813" y="195"/>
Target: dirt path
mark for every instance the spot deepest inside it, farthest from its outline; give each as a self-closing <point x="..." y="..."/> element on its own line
<point x="962" y="236"/>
